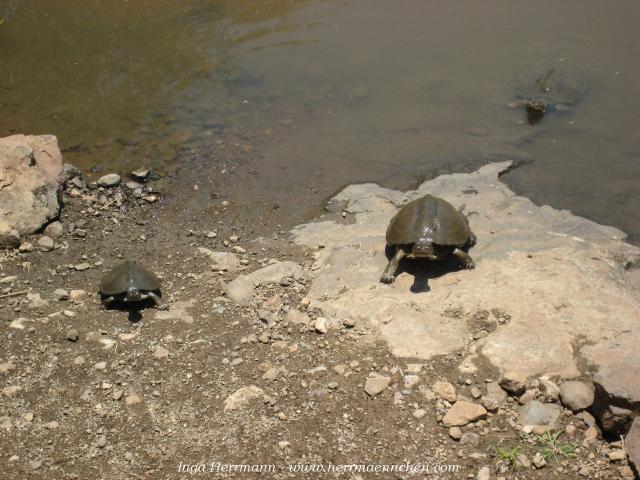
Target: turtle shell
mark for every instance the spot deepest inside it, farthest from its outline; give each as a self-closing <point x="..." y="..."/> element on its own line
<point x="554" y="87"/>
<point x="126" y="275"/>
<point x="430" y="217"/>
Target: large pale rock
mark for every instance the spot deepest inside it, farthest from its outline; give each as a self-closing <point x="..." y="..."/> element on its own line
<point x="30" y="167"/>
<point x="632" y="444"/>
<point x="535" y="413"/>
<point x="551" y="286"/>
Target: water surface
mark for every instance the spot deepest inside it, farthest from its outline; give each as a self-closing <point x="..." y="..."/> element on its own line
<point x="283" y="102"/>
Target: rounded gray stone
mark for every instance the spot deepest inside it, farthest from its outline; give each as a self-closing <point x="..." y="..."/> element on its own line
<point x="576" y="395"/>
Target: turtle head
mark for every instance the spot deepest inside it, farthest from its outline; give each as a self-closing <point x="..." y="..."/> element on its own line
<point x="133" y="295"/>
<point x="423" y="248"/>
<point x="536" y="108"/>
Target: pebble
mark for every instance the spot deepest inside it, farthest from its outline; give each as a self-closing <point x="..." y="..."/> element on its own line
<point x="54" y="230"/>
<point x="617" y="455"/>
<point x="102" y="441"/>
<point x="419" y="413"/>
<point x="160" y="352"/>
<point x="239" y="249"/>
<point x="79" y="360"/>
<point x="26" y="247"/>
<point x="470" y="438"/>
<point x="140" y="174"/>
<point x="321" y="325"/>
<point x="538" y="460"/>
<point x="77" y="295"/>
<point x="576" y="395"/>
<point x="72" y="335"/>
<point x="52" y="425"/>
<point x="61" y="294"/>
<point x="128" y="456"/>
<point x="376" y="384"/>
<point x="484" y="473"/>
<point x="463" y="412"/>
<point x="45" y="243"/>
<point x="455" y="433"/>
<point x="109" y="180"/>
<point x="100" y="366"/>
<point x="445" y="390"/>
<point x="117" y="395"/>
<point x="537" y="413"/>
<point x="82" y="266"/>
<point x="133" y="399"/>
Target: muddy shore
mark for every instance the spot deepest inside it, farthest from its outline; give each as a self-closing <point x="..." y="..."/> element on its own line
<point x="257" y="362"/>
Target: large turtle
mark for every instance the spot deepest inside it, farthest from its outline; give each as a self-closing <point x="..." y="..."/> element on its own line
<point x="131" y="282"/>
<point x="429" y="228"/>
<point x="553" y="90"/>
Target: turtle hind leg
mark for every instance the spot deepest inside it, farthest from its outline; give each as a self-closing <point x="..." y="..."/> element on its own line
<point x="465" y="259"/>
<point x="389" y="274"/>
<point x="158" y="300"/>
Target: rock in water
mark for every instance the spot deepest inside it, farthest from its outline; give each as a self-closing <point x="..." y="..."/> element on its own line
<point x="30" y="167"/>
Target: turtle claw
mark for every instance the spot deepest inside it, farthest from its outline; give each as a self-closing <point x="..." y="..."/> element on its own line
<point x="388" y="279"/>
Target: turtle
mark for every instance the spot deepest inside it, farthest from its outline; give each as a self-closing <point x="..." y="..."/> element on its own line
<point x="553" y="90"/>
<point x="430" y="228"/>
<point x="131" y="282"/>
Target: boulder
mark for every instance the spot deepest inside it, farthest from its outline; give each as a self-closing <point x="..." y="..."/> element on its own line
<point x="30" y="168"/>
<point x="533" y="285"/>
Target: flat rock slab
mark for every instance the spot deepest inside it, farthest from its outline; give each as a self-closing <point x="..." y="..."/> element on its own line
<point x="30" y="166"/>
<point x="549" y="287"/>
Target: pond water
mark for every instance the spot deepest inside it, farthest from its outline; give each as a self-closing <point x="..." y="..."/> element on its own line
<point x="287" y="101"/>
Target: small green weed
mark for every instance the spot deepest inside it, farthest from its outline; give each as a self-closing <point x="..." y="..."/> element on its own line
<point x="508" y="455"/>
<point x="553" y="448"/>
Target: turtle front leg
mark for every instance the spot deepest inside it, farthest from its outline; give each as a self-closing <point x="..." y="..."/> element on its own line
<point x="108" y="301"/>
<point x="465" y="259"/>
<point x="158" y="300"/>
<point x="389" y="274"/>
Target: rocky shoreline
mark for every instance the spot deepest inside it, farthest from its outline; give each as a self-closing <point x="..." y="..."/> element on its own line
<point x="522" y="368"/>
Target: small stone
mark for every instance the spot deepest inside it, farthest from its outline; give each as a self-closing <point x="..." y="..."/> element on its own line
<point x="463" y="412"/>
<point x="6" y="367"/>
<point x="590" y="435"/>
<point x="52" y="425"/>
<point x="9" y="237"/>
<point x="160" y="352"/>
<point x="61" y="294"/>
<point x="102" y="441"/>
<point x="26" y="247"/>
<point x="45" y="243"/>
<point x="321" y="325"/>
<point x="239" y="249"/>
<point x="117" y="394"/>
<point x="82" y="266"/>
<point x="128" y="456"/>
<point x="585" y="472"/>
<point x="72" y="335"/>
<point x="576" y="395"/>
<point x="77" y="295"/>
<point x="419" y="413"/>
<point x="35" y="464"/>
<point x="570" y="430"/>
<point x="455" y="433"/>
<point x="484" y="473"/>
<point x="411" y="380"/>
<point x="445" y="390"/>
<point x="140" y="174"/>
<point x="100" y="366"/>
<point x="29" y="416"/>
<point x="79" y="360"/>
<point x="490" y="403"/>
<point x="150" y="198"/>
<point x="523" y="460"/>
<point x="133" y="399"/>
<point x="539" y="461"/>
<point x="617" y="455"/>
<point x="109" y="180"/>
<point x="54" y="230"/>
<point x="470" y="438"/>
<point x="537" y="413"/>
<point x="241" y="398"/>
<point x="376" y="384"/>
<point x="475" y="392"/>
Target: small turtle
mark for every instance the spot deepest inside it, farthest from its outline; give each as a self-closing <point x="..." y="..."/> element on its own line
<point x="131" y="282"/>
<point x="553" y="90"/>
<point x="429" y="228"/>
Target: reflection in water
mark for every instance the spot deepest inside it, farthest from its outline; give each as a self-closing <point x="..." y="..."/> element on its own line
<point x="293" y="99"/>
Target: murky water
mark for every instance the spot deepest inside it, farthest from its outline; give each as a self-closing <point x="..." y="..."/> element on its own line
<point x="286" y="101"/>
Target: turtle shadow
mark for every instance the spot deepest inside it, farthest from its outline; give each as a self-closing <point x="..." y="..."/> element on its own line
<point x="423" y="270"/>
<point x="134" y="310"/>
